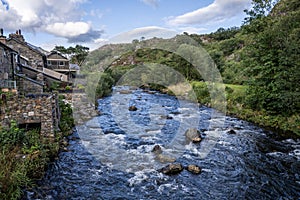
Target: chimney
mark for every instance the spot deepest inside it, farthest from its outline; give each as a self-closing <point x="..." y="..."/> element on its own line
<point x="17" y="36"/>
<point x="2" y="37"/>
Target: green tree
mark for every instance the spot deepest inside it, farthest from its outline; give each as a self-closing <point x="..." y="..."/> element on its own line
<point x="260" y="8"/>
<point x="274" y="64"/>
<point x="77" y="54"/>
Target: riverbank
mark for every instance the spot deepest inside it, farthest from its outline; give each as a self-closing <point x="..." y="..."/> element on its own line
<point x="285" y="126"/>
<point x="25" y="155"/>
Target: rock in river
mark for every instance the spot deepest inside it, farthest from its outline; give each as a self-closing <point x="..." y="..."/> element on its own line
<point x="132" y="108"/>
<point x="193" y="135"/>
<point x="231" y="131"/>
<point x="157" y="149"/>
<point x="171" y="169"/>
<point x="194" y="169"/>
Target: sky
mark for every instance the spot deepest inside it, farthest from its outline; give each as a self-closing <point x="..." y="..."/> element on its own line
<point x="92" y="23"/>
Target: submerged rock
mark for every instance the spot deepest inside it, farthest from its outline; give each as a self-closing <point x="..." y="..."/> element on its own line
<point x="162" y="158"/>
<point x="175" y="112"/>
<point x="166" y="117"/>
<point x="125" y="92"/>
<point x="165" y="158"/>
<point x="193" y="135"/>
<point x="172" y="169"/>
<point x="194" y="169"/>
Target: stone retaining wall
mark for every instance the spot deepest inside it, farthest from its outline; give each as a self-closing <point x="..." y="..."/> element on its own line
<point x="42" y="110"/>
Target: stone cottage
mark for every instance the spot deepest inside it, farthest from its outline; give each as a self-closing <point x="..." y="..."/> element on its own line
<point x="32" y="62"/>
<point x="35" y="55"/>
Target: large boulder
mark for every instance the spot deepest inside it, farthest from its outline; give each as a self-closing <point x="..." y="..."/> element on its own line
<point x="172" y="169"/>
<point x="193" y="135"/>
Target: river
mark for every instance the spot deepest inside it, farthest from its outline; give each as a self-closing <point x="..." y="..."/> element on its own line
<point x="110" y="156"/>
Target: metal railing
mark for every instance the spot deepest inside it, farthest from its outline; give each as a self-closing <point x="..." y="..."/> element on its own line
<point x="8" y="84"/>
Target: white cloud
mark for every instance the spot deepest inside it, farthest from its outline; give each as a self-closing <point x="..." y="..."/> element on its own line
<point x="153" y="3"/>
<point x="143" y="32"/>
<point x="61" y="18"/>
<point x="215" y="12"/>
<point x="68" y="29"/>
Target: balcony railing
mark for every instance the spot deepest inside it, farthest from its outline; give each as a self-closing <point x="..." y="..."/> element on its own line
<point x="8" y="84"/>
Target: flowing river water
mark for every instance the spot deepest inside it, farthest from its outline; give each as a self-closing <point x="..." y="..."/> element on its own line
<point x="110" y="156"/>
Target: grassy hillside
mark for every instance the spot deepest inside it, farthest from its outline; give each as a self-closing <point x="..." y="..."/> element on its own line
<point x="258" y="62"/>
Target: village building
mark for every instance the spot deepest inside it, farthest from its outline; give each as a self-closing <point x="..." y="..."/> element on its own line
<point x="58" y="62"/>
<point x="34" y="64"/>
<point x="35" y="55"/>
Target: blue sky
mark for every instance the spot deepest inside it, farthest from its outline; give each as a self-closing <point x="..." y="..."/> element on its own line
<point x="92" y="23"/>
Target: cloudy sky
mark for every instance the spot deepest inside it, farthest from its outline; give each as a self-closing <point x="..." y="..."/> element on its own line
<point x="47" y="23"/>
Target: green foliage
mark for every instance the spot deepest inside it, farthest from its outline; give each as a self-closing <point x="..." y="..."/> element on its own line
<point x="77" y="53"/>
<point x="274" y="63"/>
<point x="104" y="87"/>
<point x="66" y="115"/>
<point x="13" y="175"/>
<point x="23" y="157"/>
<point x="201" y="92"/>
<point x="12" y="137"/>
<point x="54" y="86"/>
<point x="68" y="88"/>
<point x="260" y="8"/>
<point x="80" y="86"/>
<point x="223" y="34"/>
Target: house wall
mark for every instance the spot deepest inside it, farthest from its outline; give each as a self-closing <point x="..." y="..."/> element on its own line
<point x="28" y="87"/>
<point x="56" y="61"/>
<point x="5" y="64"/>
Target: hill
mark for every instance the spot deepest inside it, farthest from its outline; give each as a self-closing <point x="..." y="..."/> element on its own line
<point x="261" y="56"/>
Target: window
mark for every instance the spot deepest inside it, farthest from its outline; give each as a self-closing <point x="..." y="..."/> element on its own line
<point x="61" y="63"/>
<point x="49" y="62"/>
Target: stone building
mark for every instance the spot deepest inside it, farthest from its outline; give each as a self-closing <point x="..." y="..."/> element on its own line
<point x="59" y="63"/>
<point x="35" y="55"/>
<point x="32" y="64"/>
<point x="12" y="74"/>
